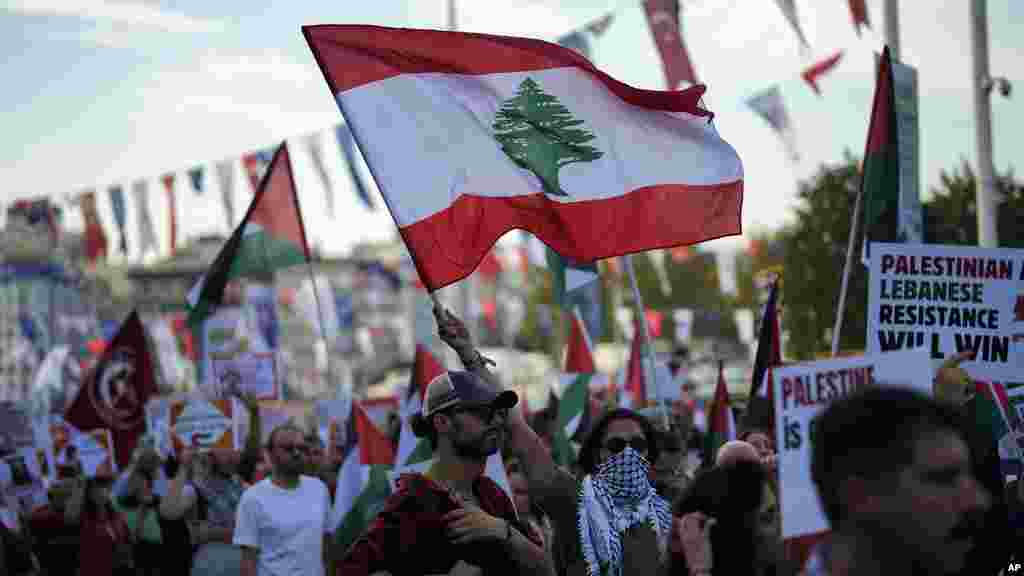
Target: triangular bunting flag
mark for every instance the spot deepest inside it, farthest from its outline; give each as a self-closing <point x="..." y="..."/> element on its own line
<point x="256" y="164"/>
<point x="663" y="19"/>
<point x="95" y="237"/>
<point x="788" y="8"/>
<point x="317" y="154"/>
<point x="226" y="178"/>
<point x="768" y="104"/>
<point x="147" y="235"/>
<point x="811" y="74"/>
<point x="172" y="211"/>
<point x="270" y="236"/>
<point x="118" y="208"/>
<point x="859" y="13"/>
<point x="350" y="153"/>
<point x="195" y="176"/>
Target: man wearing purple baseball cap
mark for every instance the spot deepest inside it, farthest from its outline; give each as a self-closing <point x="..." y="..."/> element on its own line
<point x="452" y="514"/>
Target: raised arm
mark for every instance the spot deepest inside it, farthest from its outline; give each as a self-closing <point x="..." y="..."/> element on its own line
<point x="539" y="466"/>
<point x="178" y="501"/>
<point x="252" y="452"/>
<point x="73" y="508"/>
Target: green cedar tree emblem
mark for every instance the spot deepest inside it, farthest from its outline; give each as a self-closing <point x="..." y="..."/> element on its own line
<point x="539" y="134"/>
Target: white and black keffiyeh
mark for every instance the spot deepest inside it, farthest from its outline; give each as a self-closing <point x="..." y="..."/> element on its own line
<point x="618" y="496"/>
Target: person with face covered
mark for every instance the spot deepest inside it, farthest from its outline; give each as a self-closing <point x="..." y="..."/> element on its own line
<point x="451" y="519"/>
<point x="611" y="521"/>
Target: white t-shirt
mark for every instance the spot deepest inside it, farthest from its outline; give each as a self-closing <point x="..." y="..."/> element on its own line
<point x="286" y="526"/>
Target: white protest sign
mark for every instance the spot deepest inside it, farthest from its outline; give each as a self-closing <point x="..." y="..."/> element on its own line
<point x="203" y="424"/>
<point x="236" y="357"/>
<point x="949" y="299"/>
<point x="246" y="372"/>
<point x="801" y="392"/>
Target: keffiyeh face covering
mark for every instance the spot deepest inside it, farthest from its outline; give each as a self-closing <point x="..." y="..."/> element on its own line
<point x="615" y="498"/>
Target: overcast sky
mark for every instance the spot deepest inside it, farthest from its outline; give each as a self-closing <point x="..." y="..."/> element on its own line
<point x="100" y="93"/>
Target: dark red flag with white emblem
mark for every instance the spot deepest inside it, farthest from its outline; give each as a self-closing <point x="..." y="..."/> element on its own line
<point x="114" y="395"/>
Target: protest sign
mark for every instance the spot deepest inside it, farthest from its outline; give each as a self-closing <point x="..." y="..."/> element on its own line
<point x="245" y="372"/>
<point x="273" y="413"/>
<point x="801" y="392"/>
<point x="203" y="424"/>
<point x="94" y="449"/>
<point x="15" y="426"/>
<point x="949" y="299"/>
<point x="236" y="357"/>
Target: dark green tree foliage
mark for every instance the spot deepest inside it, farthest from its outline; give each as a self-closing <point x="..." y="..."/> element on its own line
<point x="951" y="214"/>
<point x="539" y="134"/>
<point x="814" y="254"/>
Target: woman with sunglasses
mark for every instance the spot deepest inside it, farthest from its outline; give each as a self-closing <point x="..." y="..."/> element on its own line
<point x="611" y="521"/>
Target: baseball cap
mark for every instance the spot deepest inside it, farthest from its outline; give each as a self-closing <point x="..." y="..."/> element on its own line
<point x="458" y="388"/>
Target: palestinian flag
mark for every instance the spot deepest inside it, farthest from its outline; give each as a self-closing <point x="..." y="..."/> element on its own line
<point x="635" y="381"/>
<point x="577" y="285"/>
<point x="721" y="423"/>
<point x="410" y="448"/>
<point x="880" y="181"/>
<point x="996" y="415"/>
<point x="573" y="415"/>
<point x="270" y="236"/>
<point x="363" y="479"/>
<point x="761" y="400"/>
<point x="480" y="127"/>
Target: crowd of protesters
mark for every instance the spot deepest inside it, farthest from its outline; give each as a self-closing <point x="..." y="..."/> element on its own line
<point x="906" y="483"/>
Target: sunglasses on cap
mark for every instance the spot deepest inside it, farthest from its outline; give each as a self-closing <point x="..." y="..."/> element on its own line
<point x="616" y="445"/>
<point x="485" y="412"/>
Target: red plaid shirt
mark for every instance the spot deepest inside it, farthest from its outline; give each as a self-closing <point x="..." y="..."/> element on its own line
<point x="408" y="535"/>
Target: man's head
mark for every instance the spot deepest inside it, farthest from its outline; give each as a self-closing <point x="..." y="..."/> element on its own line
<point x="465" y="415"/>
<point x="287" y="448"/>
<point x="760" y="440"/>
<point x="735" y="451"/>
<point x="891" y="465"/>
<point x="612" y="433"/>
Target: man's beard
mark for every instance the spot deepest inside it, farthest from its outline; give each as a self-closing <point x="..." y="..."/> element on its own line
<point x="478" y="448"/>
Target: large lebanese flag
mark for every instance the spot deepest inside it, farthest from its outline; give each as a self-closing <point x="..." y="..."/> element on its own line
<point x="470" y="135"/>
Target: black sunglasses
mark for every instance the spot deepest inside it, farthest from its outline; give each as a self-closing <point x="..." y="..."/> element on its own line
<point x="300" y="448"/>
<point x="484" y="412"/>
<point x="616" y="445"/>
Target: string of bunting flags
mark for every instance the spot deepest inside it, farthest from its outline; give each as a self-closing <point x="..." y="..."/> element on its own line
<point x="254" y="164"/>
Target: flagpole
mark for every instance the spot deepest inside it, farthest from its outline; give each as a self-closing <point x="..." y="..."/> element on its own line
<point x="850" y="244"/>
<point x="644" y="334"/>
